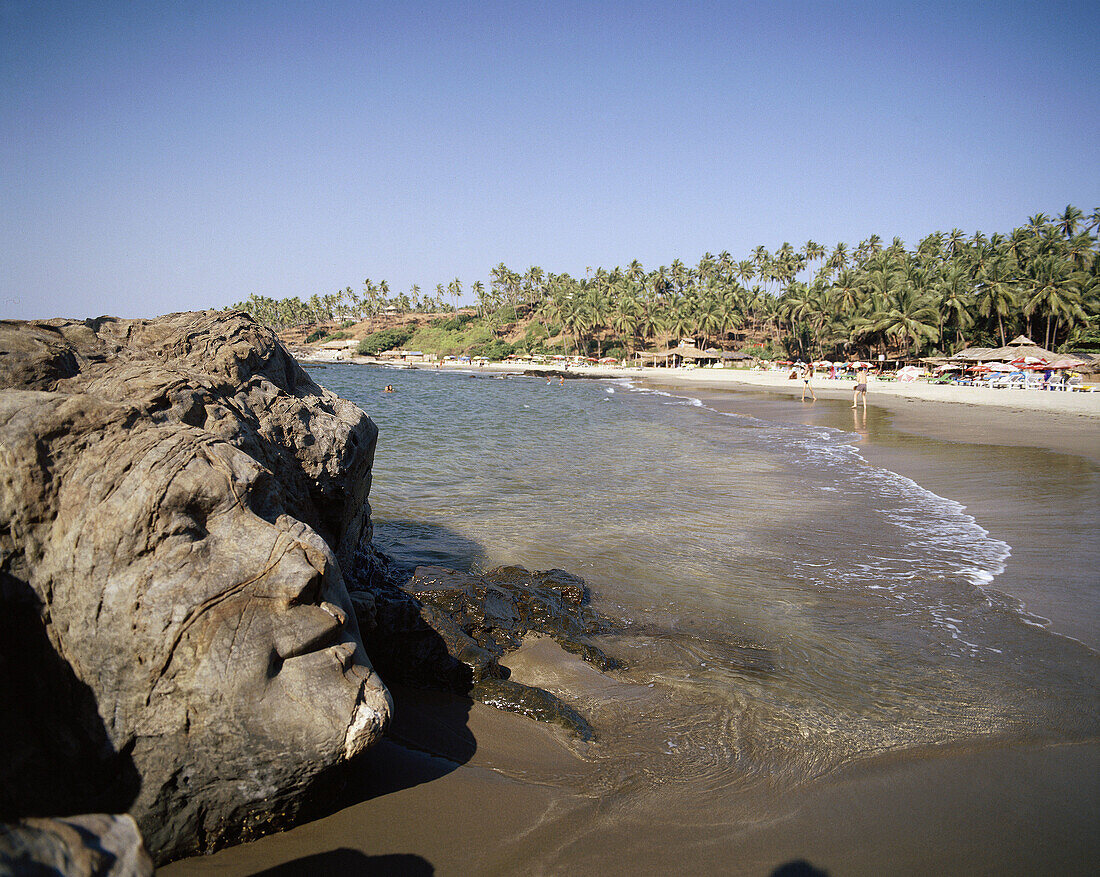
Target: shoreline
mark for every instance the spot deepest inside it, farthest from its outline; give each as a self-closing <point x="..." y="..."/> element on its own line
<point x="1084" y="404"/>
<point x="985" y="462"/>
<point x="982" y="805"/>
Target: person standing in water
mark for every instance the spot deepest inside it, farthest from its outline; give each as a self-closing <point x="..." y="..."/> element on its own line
<point x="807" y="376"/>
<point x="861" y="387"/>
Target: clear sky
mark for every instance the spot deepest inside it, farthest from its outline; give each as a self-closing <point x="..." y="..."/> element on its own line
<point x="161" y="156"/>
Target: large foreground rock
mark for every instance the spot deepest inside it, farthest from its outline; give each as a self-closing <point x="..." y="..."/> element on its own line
<point x="178" y="502"/>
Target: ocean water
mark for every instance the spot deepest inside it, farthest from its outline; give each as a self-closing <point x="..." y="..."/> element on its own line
<point x="784" y="606"/>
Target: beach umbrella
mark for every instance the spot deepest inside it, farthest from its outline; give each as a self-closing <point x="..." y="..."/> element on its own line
<point x="1029" y="362"/>
<point x="1000" y="367"/>
<point x="950" y="367"/>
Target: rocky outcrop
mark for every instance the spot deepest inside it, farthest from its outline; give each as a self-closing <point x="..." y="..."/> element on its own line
<point x="448" y="629"/>
<point x="179" y="504"/>
<point x="94" y="845"/>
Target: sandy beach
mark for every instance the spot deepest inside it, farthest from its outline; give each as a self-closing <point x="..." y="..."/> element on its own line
<point x="460" y="788"/>
<point x="1085" y="403"/>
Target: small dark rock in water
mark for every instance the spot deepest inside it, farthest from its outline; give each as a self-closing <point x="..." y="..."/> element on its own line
<point x="95" y="845"/>
<point x="535" y="703"/>
<point x="498" y="608"/>
<point x="445" y="628"/>
<point x="590" y="653"/>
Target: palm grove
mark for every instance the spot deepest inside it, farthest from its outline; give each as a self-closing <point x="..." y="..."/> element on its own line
<point x="951" y="291"/>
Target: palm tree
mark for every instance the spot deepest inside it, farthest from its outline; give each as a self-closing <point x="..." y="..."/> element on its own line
<point x="679" y="321"/>
<point x="533" y="285"/>
<point x="454" y="289"/>
<point x="1054" y="289"/>
<point x="597" y="305"/>
<point x="478" y="289"/>
<point x="847" y="291"/>
<point x="955" y="301"/>
<point x="931" y="247"/>
<point x="745" y="271"/>
<point x="1079" y="250"/>
<point x="956" y="240"/>
<point x="708" y="319"/>
<point x="813" y="251"/>
<point x="678" y="274"/>
<point x="838" y="261"/>
<point x="625" y="319"/>
<point x="1069" y="220"/>
<point x="725" y="266"/>
<point x="1037" y="223"/>
<point x="997" y="294"/>
<point x="909" y="317"/>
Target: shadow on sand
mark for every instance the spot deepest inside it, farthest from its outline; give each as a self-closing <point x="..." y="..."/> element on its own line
<point x="798" y="868"/>
<point x="351" y="863"/>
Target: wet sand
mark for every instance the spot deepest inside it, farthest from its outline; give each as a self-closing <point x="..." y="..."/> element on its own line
<point x="503" y="795"/>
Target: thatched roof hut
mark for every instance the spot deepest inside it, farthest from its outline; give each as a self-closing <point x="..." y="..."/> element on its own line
<point x="1090" y="363"/>
<point x="1018" y="348"/>
<point x="694" y="354"/>
<point x="971" y="354"/>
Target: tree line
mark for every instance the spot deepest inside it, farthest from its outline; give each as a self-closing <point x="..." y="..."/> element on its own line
<point x="347" y="304"/>
<point x="949" y="291"/>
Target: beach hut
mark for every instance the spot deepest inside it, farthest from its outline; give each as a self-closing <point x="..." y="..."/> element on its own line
<point x="1018" y="349"/>
<point x="736" y="356"/>
<point x="970" y="355"/>
<point x="341" y="348"/>
<point x="1090" y="363"/>
<point x="660" y="357"/>
<point x="690" y="353"/>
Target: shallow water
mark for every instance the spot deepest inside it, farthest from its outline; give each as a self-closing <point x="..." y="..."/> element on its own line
<point x="786" y="606"/>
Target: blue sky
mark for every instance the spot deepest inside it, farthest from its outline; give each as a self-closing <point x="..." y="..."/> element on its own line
<point x="172" y="156"/>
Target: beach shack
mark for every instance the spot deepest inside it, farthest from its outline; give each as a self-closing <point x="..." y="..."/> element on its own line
<point x="341" y="348"/>
<point x="401" y="355"/>
<point x="733" y="358"/>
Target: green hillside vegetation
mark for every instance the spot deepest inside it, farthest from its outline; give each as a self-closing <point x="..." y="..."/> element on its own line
<point x="950" y="291"/>
<point x="385" y="339"/>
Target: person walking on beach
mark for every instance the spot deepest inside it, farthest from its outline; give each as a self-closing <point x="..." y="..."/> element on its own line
<point x="861" y="387"/>
<point x="807" y="376"/>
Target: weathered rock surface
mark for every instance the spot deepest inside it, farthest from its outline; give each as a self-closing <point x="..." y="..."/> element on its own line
<point x="93" y="845"/>
<point x="179" y="503"/>
<point x="449" y="629"/>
